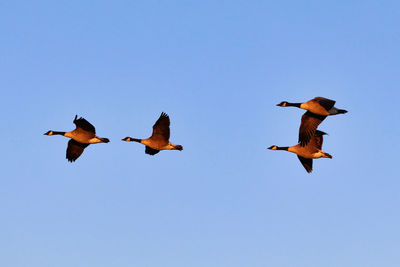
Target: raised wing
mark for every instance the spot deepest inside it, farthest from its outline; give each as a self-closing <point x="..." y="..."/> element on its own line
<point x="84" y="125"/>
<point x="318" y="139"/>
<point x="151" y="151"/>
<point x="161" y="129"/>
<point x="74" y="150"/>
<point x="308" y="126"/>
<point x="307" y="163"/>
<point x="325" y="102"/>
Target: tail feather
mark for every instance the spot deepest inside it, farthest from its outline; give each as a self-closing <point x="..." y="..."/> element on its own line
<point x="104" y="140"/>
<point x="179" y="147"/>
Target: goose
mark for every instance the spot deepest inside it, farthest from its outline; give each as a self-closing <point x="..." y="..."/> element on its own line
<point x="83" y="135"/>
<point x="306" y="154"/>
<point x="317" y="110"/>
<point x="159" y="140"/>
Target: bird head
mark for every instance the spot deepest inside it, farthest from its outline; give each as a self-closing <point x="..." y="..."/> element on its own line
<point x="282" y="104"/>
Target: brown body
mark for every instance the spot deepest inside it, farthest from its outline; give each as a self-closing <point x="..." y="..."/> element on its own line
<point x="159" y="140"/>
<point x="313" y="150"/>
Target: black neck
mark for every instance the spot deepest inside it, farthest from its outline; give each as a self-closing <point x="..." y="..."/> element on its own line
<point x="136" y="140"/>
<point x="58" y="133"/>
<point x="282" y="148"/>
<point x="293" y="104"/>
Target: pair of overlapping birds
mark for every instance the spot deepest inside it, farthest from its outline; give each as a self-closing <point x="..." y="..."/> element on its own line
<point x="308" y="148"/>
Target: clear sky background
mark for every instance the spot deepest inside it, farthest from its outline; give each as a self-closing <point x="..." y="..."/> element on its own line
<point x="218" y="68"/>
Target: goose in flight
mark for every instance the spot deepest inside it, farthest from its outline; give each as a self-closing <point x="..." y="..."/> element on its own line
<point x="306" y="154"/>
<point x="159" y="140"/>
<point x="317" y="110"/>
<point x="83" y="135"/>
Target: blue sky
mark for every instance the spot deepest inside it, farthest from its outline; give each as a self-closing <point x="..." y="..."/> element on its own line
<point x="218" y="68"/>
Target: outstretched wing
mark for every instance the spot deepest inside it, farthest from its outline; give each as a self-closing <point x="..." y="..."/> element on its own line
<point x="74" y="150"/>
<point x="308" y="126"/>
<point x="84" y="125"/>
<point x="161" y="129"/>
<point x="325" y="102"/>
<point x="151" y="151"/>
<point x="307" y="163"/>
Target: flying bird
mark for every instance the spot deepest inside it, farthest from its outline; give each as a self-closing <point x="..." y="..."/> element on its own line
<point x="83" y="135"/>
<point x="317" y="110"/>
<point x="306" y="154"/>
<point x="159" y="140"/>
